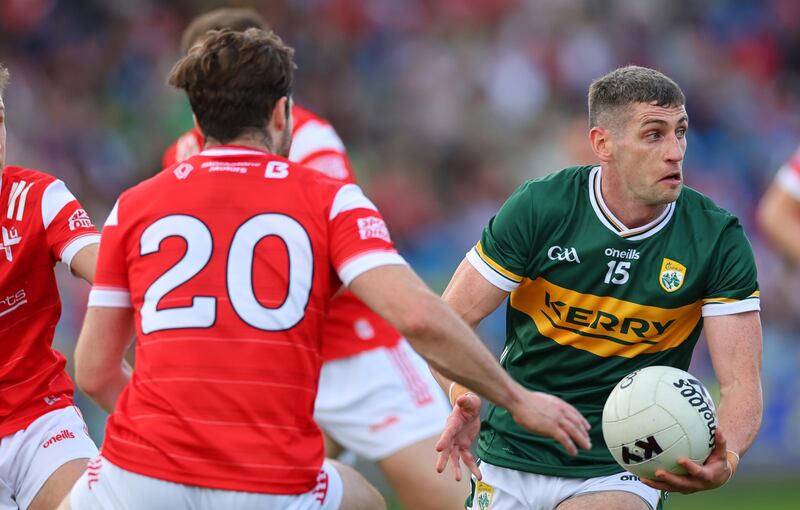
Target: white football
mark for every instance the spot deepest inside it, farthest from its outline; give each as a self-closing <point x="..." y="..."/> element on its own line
<point x="656" y="415"/>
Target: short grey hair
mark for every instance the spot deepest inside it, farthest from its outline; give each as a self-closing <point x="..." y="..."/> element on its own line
<point x="627" y="85"/>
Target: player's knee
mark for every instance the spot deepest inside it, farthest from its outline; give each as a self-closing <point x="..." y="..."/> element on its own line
<point x="358" y="493"/>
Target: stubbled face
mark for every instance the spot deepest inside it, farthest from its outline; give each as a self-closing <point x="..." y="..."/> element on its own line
<point x="2" y="134"/>
<point x="648" y="152"/>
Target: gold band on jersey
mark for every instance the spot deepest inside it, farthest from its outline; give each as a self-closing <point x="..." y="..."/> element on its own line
<point x="497" y="267"/>
<point x="721" y="300"/>
<point x="604" y="326"/>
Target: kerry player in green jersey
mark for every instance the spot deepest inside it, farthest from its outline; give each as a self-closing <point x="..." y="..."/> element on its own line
<point x="608" y="268"/>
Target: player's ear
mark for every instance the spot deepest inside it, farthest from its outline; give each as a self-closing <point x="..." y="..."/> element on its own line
<point x="602" y="143"/>
<point x="280" y="114"/>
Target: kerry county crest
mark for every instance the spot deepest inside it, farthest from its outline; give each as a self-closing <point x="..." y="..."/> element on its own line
<point x="484" y="494"/>
<point x="672" y="275"/>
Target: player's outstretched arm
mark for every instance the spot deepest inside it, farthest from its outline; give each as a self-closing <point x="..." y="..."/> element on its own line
<point x="734" y="342"/>
<point x="779" y="218"/>
<point x="84" y="262"/>
<point x="100" y="368"/>
<point x="452" y="349"/>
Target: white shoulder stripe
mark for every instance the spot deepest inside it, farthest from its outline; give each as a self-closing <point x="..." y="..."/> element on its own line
<point x="789" y="179"/>
<point x="113" y="218"/>
<point x="110" y="298"/>
<point x="746" y="305"/>
<point x="349" y="197"/>
<point x="362" y="263"/>
<point x="489" y="273"/>
<point x="314" y="137"/>
<point x="55" y="197"/>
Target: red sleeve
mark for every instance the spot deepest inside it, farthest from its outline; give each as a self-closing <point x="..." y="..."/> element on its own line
<point x="67" y="226"/>
<point x="189" y="144"/>
<point x="170" y="156"/>
<point x="359" y="238"/>
<point x="111" y="287"/>
<point x="316" y="144"/>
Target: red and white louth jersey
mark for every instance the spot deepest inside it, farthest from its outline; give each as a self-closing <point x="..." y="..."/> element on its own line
<point x="788" y="176"/>
<point x="230" y="260"/>
<point x="352" y="327"/>
<point x="40" y="224"/>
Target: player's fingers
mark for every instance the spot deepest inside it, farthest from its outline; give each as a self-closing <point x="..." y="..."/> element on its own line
<point x="441" y="462"/>
<point x="681" y="484"/>
<point x="472" y="465"/>
<point x="562" y="437"/>
<point x="578" y="434"/>
<point x="576" y="417"/>
<point x="445" y="440"/>
<point x="456" y="466"/>
<point x="694" y="468"/>
<point x="661" y="486"/>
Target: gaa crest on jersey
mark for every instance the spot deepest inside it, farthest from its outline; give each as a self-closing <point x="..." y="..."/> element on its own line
<point x="484" y="493"/>
<point x="672" y="275"/>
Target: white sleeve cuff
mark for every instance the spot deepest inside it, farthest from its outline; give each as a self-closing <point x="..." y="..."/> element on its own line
<point x="370" y="260"/>
<point x="109" y="298"/>
<point x="488" y="272"/>
<point x="752" y="304"/>
<point x="75" y="246"/>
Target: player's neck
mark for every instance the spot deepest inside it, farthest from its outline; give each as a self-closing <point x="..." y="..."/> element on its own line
<point x="625" y="206"/>
<point x="252" y="141"/>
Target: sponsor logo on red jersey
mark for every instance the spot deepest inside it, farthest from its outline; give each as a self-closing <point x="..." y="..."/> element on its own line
<point x="373" y="228"/>
<point x="10" y="238"/>
<point x="12" y="301"/>
<point x="183" y="170"/>
<point x="61" y="436"/>
<point x="79" y="219"/>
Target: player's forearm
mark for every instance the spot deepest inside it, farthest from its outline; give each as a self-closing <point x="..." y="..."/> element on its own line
<point x="786" y="237"/>
<point x="455" y="353"/>
<point x="740" y="411"/>
<point x="105" y="389"/>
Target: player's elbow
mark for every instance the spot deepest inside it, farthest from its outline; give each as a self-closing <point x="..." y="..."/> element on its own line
<point x="90" y="379"/>
<point x="88" y="382"/>
<point x="416" y="324"/>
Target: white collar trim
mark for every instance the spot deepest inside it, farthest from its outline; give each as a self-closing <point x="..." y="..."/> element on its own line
<point x="611" y="222"/>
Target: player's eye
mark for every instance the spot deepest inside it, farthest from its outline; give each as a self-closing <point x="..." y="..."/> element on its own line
<point x="652" y="135"/>
<point x="681" y="132"/>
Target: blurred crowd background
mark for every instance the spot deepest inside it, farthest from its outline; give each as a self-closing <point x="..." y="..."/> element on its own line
<point x="445" y="107"/>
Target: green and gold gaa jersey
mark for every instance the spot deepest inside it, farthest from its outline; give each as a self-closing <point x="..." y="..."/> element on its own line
<point x="592" y="301"/>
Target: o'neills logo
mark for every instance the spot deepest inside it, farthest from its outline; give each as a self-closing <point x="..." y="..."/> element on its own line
<point x="64" y="434"/>
<point x="629" y="254"/>
<point x="694" y="392"/>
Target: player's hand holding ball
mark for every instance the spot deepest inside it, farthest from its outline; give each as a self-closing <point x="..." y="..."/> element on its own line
<point x="660" y="423"/>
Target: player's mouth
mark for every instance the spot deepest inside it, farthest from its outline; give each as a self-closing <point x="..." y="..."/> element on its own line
<point x="673" y="178"/>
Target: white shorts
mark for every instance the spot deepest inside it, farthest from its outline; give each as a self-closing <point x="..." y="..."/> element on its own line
<point x="380" y="401"/>
<point x="28" y="457"/>
<point x="506" y="489"/>
<point x="105" y="486"/>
